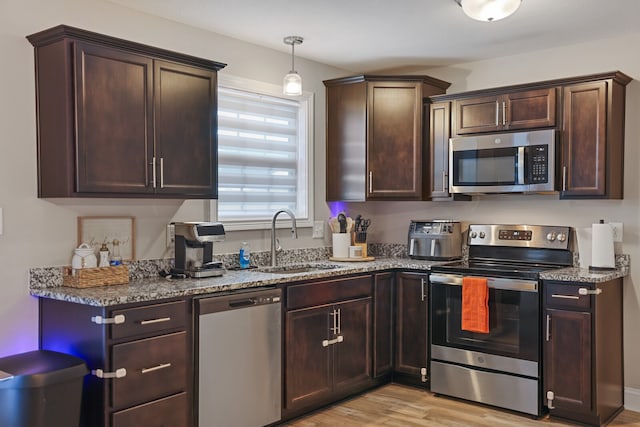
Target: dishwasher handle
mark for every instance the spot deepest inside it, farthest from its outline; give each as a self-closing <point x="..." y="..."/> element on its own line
<point x="237" y="300"/>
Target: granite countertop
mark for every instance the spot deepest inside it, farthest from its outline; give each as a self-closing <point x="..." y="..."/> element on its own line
<point x="156" y="288"/>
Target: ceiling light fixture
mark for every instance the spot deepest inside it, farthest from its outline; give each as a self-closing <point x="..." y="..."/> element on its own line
<point x="292" y="82"/>
<point x="489" y="10"/>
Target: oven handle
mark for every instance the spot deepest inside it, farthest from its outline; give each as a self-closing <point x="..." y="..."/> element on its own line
<point x="492" y="282"/>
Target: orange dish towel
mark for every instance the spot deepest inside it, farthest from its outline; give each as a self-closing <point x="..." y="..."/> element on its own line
<point x="475" y="307"/>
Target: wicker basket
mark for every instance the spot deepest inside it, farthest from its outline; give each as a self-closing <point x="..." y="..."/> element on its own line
<point x="99" y="276"/>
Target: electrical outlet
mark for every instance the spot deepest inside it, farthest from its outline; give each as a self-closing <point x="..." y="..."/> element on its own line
<point x="318" y="229"/>
<point x="171" y="234"/>
<point x="617" y="231"/>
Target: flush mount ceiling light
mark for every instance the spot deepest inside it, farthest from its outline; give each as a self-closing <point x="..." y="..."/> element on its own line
<point x="292" y="82"/>
<point x="489" y="10"/>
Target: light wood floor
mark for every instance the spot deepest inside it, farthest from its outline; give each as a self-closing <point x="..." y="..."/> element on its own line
<point x="395" y="405"/>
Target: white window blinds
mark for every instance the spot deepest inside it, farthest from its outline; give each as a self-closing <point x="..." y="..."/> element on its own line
<point x="262" y="156"/>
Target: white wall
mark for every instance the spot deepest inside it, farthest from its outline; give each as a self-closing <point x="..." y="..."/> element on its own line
<point x="390" y="220"/>
<point x="41" y="232"/>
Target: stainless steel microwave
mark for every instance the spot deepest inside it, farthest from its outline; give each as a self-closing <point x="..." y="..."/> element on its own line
<point x="521" y="162"/>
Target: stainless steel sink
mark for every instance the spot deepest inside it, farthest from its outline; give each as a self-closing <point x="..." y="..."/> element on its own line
<point x="296" y="268"/>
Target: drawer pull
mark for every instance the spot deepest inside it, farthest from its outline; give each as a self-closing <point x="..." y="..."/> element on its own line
<point x="119" y="373"/>
<point x="585" y="291"/>
<point x="116" y="320"/>
<point x="152" y="321"/>
<point x="156" y="368"/>
<point x="564" y="296"/>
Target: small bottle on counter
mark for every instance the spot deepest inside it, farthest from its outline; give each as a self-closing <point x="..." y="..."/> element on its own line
<point x="245" y="255"/>
<point x="104" y="256"/>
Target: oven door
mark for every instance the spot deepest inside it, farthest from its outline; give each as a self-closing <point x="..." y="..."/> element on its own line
<point x="513" y="319"/>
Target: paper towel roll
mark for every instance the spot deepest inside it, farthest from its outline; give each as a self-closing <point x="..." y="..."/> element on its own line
<point x="602" y="256"/>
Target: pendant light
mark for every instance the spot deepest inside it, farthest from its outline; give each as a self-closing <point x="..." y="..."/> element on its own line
<point x="292" y="82"/>
<point x="489" y="10"/>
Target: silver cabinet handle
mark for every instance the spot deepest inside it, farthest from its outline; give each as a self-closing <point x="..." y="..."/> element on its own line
<point x="422" y="292"/>
<point x="548" y="332"/>
<point x="153" y="172"/>
<point x="339" y="321"/>
<point x="444" y="181"/>
<point x="550" y="397"/>
<point x="158" y="320"/>
<point x="585" y="291"/>
<point x="116" y="320"/>
<point x="564" y="296"/>
<point x="161" y="172"/>
<point x="334" y="316"/>
<point x="564" y="178"/>
<point x="119" y="373"/>
<point x="156" y="368"/>
<point x="504" y="113"/>
<point x="370" y="182"/>
<point x="497" y="114"/>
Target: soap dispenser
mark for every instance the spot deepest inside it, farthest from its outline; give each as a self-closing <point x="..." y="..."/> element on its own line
<point x="245" y="255"/>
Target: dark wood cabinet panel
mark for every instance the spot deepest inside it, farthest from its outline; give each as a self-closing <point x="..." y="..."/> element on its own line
<point x="569" y="378"/>
<point x="411" y="341"/>
<point x="171" y="411"/>
<point x="375" y="137"/>
<point x="352" y="355"/>
<point x="439" y="134"/>
<point x="593" y="139"/>
<point x="510" y="111"/>
<point x="186" y="111"/>
<point x="121" y="119"/>
<point x="307" y="362"/>
<point x="114" y="120"/>
<point x="383" y="324"/>
<point x="582" y="350"/>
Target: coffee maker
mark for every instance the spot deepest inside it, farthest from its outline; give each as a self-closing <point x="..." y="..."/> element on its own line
<point x="194" y="249"/>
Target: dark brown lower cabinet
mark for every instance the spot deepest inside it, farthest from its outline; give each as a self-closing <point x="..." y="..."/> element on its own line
<point x="582" y="346"/>
<point x="328" y="346"/>
<point x="139" y="356"/>
<point x="411" y="337"/>
<point x="383" y="324"/>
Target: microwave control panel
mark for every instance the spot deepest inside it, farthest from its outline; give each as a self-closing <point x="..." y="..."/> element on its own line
<point x="538" y="161"/>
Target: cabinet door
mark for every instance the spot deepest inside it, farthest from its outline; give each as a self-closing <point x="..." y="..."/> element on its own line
<point x="352" y="355"/>
<point x="114" y="126"/>
<point x="439" y="133"/>
<point x="567" y="361"/>
<point x="411" y="324"/>
<point x="307" y="360"/>
<point x="529" y="109"/>
<point x="476" y="115"/>
<point x="186" y="157"/>
<point x="382" y="324"/>
<point x="584" y="140"/>
<point x="394" y="151"/>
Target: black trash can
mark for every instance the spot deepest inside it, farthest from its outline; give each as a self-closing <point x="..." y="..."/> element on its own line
<point x="41" y="388"/>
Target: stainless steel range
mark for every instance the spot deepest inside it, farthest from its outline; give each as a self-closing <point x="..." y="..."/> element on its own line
<point x="500" y="367"/>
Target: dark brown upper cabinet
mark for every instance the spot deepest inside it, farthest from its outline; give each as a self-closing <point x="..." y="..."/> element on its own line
<point x="121" y="119"/>
<point x="375" y="137"/>
<point x="510" y="111"/>
<point x="593" y="139"/>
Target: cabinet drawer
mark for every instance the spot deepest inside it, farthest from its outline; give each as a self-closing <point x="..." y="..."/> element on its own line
<point x="566" y="296"/>
<point x="171" y="411"/>
<point x="156" y="367"/>
<point x="150" y="319"/>
<point x="325" y="292"/>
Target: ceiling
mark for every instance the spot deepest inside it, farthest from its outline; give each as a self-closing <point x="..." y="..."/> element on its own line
<point x="379" y="35"/>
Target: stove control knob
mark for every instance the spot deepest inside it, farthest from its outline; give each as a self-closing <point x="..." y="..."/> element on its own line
<point x="474" y="234"/>
<point x="482" y="234"/>
<point x="551" y="236"/>
<point x="562" y="237"/>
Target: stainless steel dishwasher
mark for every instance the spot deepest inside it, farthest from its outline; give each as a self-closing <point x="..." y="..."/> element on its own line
<point x="239" y="361"/>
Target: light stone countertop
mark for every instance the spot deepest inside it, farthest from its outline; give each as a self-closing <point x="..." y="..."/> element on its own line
<point x="157" y="288"/>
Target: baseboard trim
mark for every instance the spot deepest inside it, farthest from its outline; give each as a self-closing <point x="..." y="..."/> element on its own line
<point x="632" y="399"/>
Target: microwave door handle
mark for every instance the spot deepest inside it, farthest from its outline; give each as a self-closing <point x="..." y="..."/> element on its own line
<point x="520" y="168"/>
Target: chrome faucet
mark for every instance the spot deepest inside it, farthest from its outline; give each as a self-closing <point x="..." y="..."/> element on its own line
<point x="294" y="234"/>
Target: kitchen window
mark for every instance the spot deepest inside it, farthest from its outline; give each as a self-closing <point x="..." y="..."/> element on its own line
<point x="265" y="156"/>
